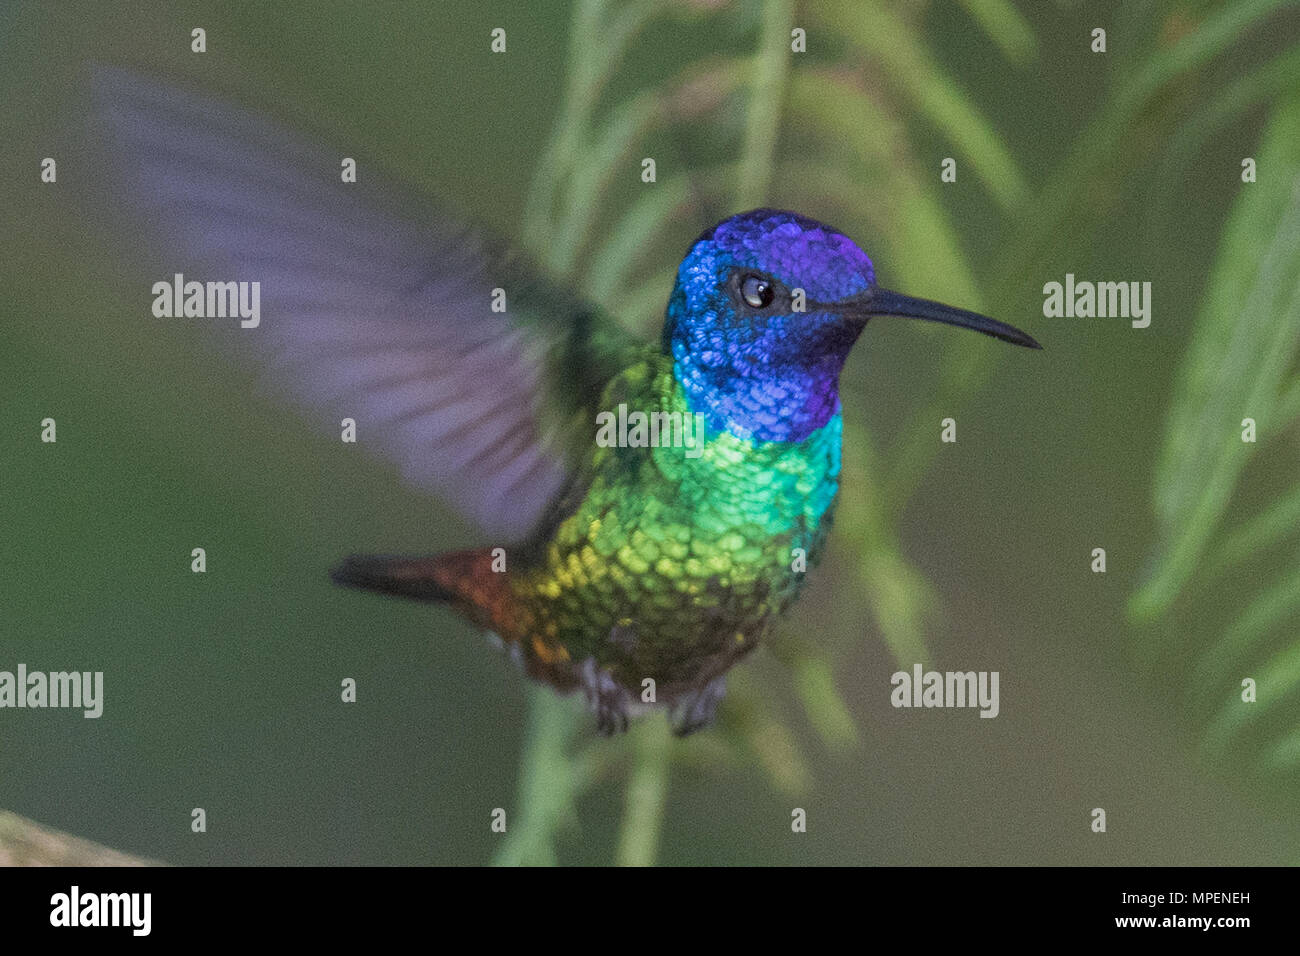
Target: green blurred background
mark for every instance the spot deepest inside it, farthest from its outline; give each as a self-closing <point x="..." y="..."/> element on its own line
<point x="222" y="689"/>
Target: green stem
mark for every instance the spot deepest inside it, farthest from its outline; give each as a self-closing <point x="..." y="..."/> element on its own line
<point x="765" y="104"/>
<point x="566" y="138"/>
<point x="647" y="792"/>
<point x="548" y="783"/>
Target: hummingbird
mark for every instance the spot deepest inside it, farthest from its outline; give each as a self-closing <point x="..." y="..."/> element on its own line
<point x="636" y="574"/>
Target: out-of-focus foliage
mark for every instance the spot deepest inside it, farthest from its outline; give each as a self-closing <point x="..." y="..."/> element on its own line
<point x="1241" y="365"/>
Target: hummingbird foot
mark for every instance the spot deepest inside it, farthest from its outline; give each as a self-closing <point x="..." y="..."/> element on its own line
<point x="697" y="709"/>
<point x="606" y="698"/>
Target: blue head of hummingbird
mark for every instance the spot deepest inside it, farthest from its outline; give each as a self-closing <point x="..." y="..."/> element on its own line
<point x="765" y="310"/>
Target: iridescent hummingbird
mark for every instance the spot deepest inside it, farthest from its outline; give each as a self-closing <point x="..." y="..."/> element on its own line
<point x="602" y="568"/>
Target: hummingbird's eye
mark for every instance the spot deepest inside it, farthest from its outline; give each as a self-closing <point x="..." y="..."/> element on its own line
<point x="756" y="291"/>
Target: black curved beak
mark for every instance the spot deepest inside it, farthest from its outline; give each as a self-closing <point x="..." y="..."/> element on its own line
<point x="877" y="301"/>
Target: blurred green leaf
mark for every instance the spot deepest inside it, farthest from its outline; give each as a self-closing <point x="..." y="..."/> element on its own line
<point x="1266" y="529"/>
<point x="895" y="47"/>
<point x="1277" y="685"/>
<point x="815" y="684"/>
<point x="1228" y="104"/>
<point x="1273" y="606"/>
<point x="1238" y="365"/>
<point x="1243" y="346"/>
<point x="639" y="225"/>
<point x="601" y="161"/>
<point x="1005" y="28"/>
<point x="1068" y="200"/>
<point x="899" y="595"/>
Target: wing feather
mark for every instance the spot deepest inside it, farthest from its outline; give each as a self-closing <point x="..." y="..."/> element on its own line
<point x="375" y="304"/>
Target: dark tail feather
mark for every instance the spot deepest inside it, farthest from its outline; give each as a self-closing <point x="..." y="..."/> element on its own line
<point x="391" y="574"/>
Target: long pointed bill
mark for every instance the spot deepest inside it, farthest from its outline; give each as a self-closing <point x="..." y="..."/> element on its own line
<point x="878" y="301"/>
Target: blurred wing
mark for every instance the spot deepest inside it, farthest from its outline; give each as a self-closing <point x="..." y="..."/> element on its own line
<point x="374" y="305"/>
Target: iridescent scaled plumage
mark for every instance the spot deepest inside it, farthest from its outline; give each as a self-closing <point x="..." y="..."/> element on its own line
<point x="775" y="378"/>
<point x="686" y="558"/>
<point x="672" y="566"/>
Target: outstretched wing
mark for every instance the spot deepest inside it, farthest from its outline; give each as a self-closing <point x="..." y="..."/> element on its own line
<point x="375" y="305"/>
